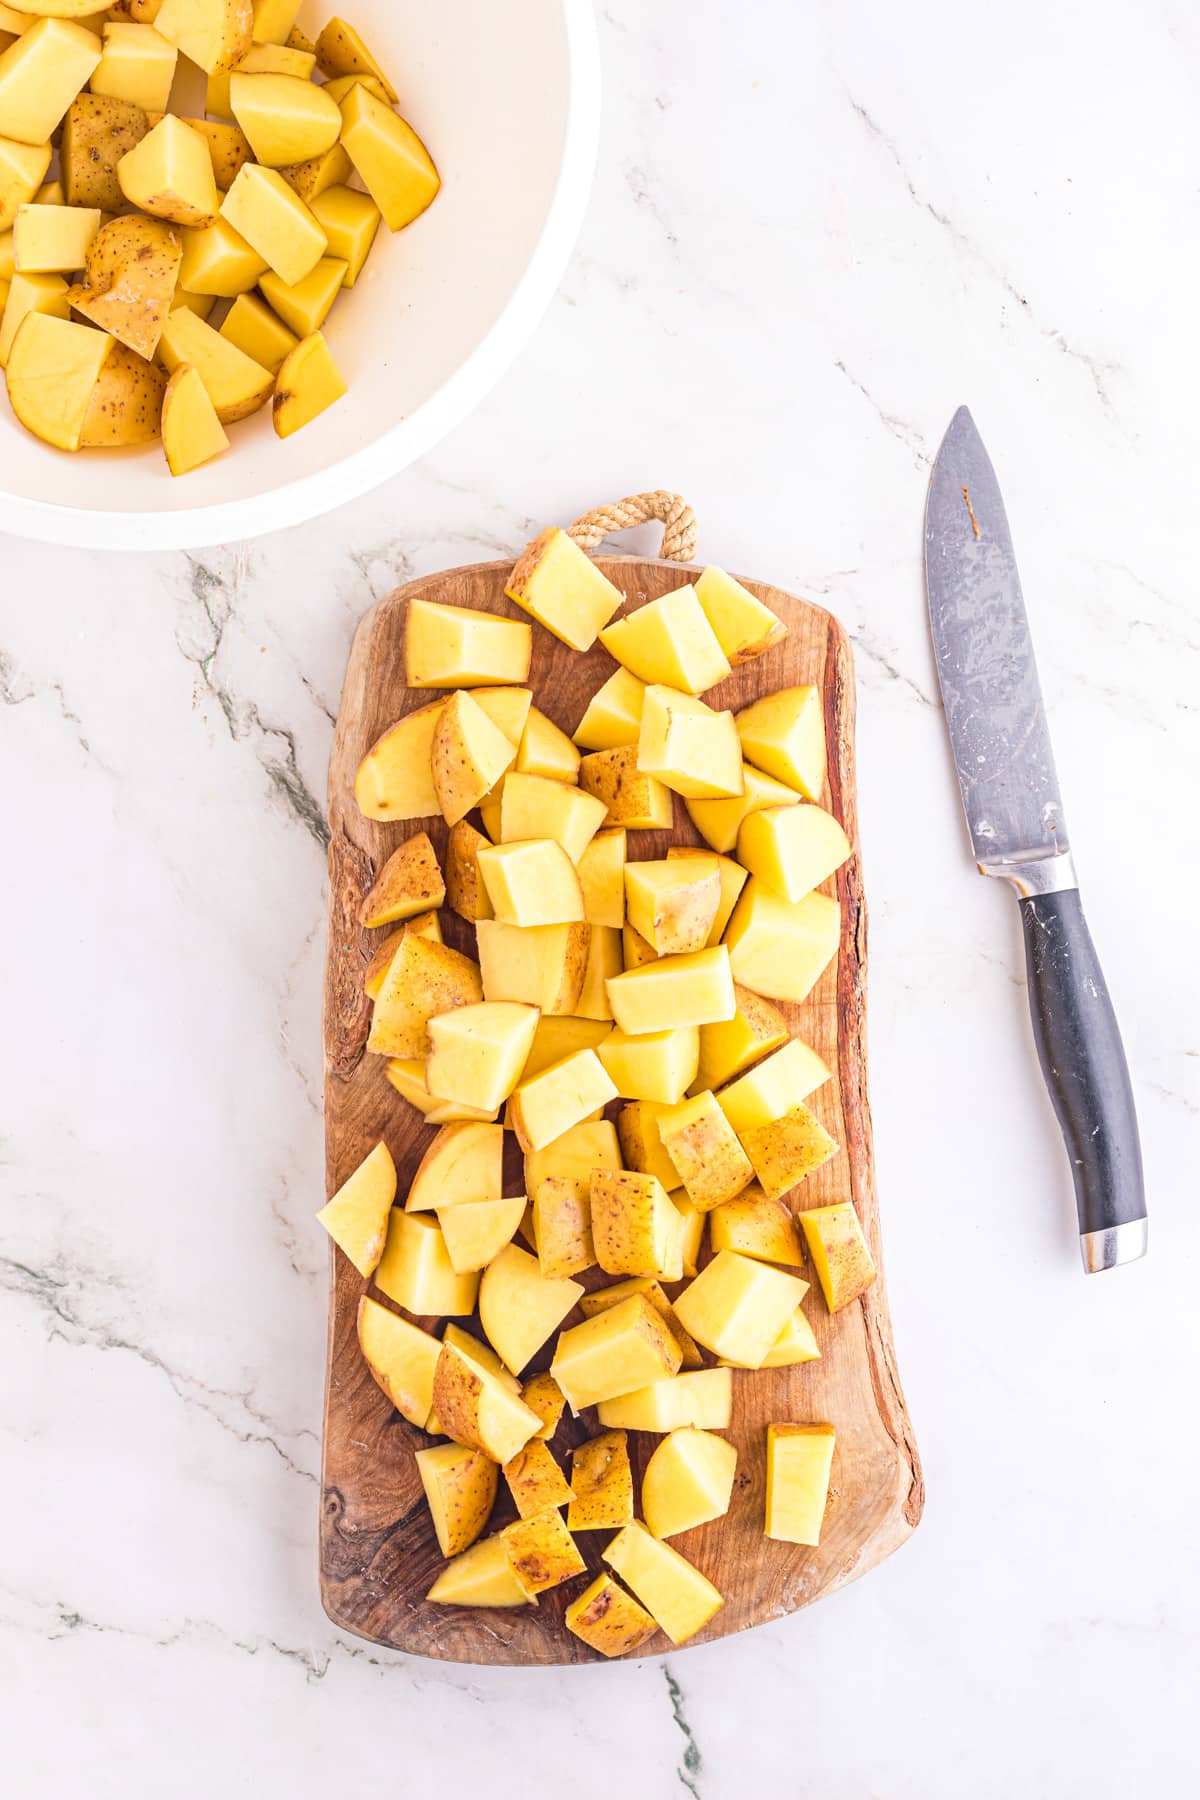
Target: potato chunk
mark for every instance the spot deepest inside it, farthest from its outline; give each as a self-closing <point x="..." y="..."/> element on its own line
<point x="672" y="904"/>
<point x="786" y="1149"/>
<point x="843" y="1261"/>
<point x="97" y="132"/>
<point x="545" y="750"/>
<point x="657" y="1065"/>
<point x="424" y="979"/>
<point x="562" y="1226"/>
<point x="799" y="1460"/>
<point x="613" y="716"/>
<point x="285" y="119"/>
<point x="704" y="1147"/>
<point x="701" y="1397"/>
<point x="356" y="1218"/>
<point x="737" y="1307"/>
<point x="689" y="747"/>
<point x="169" y="174"/>
<point x="460" y="1486"/>
<point x="531" y="882"/>
<point x="635" y="1228"/>
<point x="51" y="240"/>
<point x="22" y="171"/>
<point x="677" y="1595"/>
<point x="535" y="1480"/>
<point x="755" y="1225"/>
<point x="719" y="821"/>
<point x="416" y="1272"/>
<point x="214" y="34"/>
<point x="781" y="948"/>
<point x="395" y="777"/>
<point x="137" y="64"/>
<point x="129" y="282"/>
<point x="478" y="1052"/>
<point x="531" y="806"/>
<point x="784" y="735"/>
<point x="541" y="965"/>
<point x="541" y="1551"/>
<point x="621" y="1349"/>
<point x="274" y="221"/>
<point x="638" y="801"/>
<point x="743" y="625"/>
<point x="464" y="1162"/>
<point x="608" y="1619"/>
<point x="732" y="878"/>
<point x="551" y="1102"/>
<point x="601" y="1484"/>
<point x="731" y="1045"/>
<point x="452" y="646"/>
<point x="401" y="1357"/>
<point x="480" y="1576"/>
<point x="409" y="882"/>
<point x="40" y="75"/>
<point x="670" y="642"/>
<point x="52" y="370"/>
<point x="688" y="1480"/>
<point x="477" y="1230"/>
<point x="237" y="386"/>
<point x="560" y="585"/>
<point x="792" y="849"/>
<point x="519" y="1307"/>
<point x="676" y="990"/>
<point x="469" y="755"/>
<point x="192" y="433"/>
<point x="395" y="167"/>
<point x="477" y="1408"/>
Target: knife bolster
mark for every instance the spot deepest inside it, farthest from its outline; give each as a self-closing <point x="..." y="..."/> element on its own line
<point x="1036" y="874"/>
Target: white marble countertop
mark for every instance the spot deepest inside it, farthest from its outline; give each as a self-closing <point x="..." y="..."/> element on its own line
<point x="814" y="232"/>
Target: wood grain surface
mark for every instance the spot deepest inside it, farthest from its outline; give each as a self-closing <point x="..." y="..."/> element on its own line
<point x="378" y="1554"/>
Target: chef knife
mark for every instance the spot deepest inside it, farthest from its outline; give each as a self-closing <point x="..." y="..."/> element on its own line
<point x="1005" y="764"/>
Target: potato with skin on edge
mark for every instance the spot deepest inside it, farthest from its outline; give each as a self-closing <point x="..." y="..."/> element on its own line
<point x="540" y="965"/>
<point x="469" y="755"/>
<point x="613" y="716"/>
<point x="729" y="1046"/>
<point x="641" y="1144"/>
<point x="541" y="1551"/>
<point x="673" y="904"/>
<point x="799" y="1460"/>
<point x="744" y="627"/>
<point x="633" y="799"/>
<point x="635" y="1228"/>
<point x="129" y="281"/>
<point x="416" y="1272"/>
<point x="192" y="433"/>
<point x="424" y="979"/>
<point x="773" y="1086"/>
<point x="455" y="646"/>
<point x="634" y="949"/>
<point x="476" y="1231"/>
<point x="401" y="1358"/>
<point x="227" y="146"/>
<point x="677" y="1595"/>
<point x="465" y="892"/>
<point x="52" y="370"/>
<point x="573" y="1156"/>
<point x="464" y="1162"/>
<point x="669" y="642"/>
<point x="781" y="948"/>
<point x="608" y="1619"/>
<point x="312" y="177"/>
<point x="389" y="158"/>
<point x="169" y="174"/>
<point x="704" y="1147"/>
<point x="481" y="1354"/>
<point x="624" y="1348"/>
<point x="786" y="1149"/>
<point x="356" y="1217"/>
<point x="341" y="50"/>
<point x="731" y="877"/>
<point x="755" y="1225"/>
<point x="237" y="386"/>
<point x="695" y="989"/>
<point x="561" y="587"/>
<point x="532" y="806"/>
<point x="214" y="34"/>
<point x="688" y="1481"/>
<point x="737" y="1307"/>
<point x="480" y="1576"/>
<point x="792" y="849"/>
<point x="840" y="1254"/>
<point x="97" y="132"/>
<point x="126" y="406"/>
<point x="563" y="1228"/>
<point x="601" y="1484"/>
<point x="395" y="777"/>
<point x="600" y="1299"/>
<point x="477" y="1409"/>
<point x="427" y="924"/>
<point x="460" y="1485"/>
<point x="409" y="882"/>
<point x="274" y="221"/>
<point x="535" y="1480"/>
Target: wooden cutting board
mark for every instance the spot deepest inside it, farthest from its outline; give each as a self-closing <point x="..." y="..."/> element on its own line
<point x="378" y="1553"/>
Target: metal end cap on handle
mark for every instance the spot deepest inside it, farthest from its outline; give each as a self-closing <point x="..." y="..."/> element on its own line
<point x="1118" y="1244"/>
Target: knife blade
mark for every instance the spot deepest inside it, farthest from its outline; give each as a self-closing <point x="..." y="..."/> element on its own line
<point x="1000" y="738"/>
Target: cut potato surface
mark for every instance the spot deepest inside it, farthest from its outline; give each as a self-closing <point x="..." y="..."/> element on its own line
<point x="480" y="1576"/>
<point x="192" y="432"/>
<point x="40" y="75"/>
<point x="670" y="642"/>
<point x="395" y="167"/>
<point x="700" y="1397"/>
<point x="52" y="370"/>
<point x="679" y="1598"/>
<point x="356" y="1218"/>
<point x="626" y="1347"/>
<point x="451" y="646"/>
<point x="737" y="1307"/>
<point x="560" y="586"/>
<point x="799" y="1459"/>
<point x="460" y="1486"/>
<point x="688" y="1480"/>
<point x="285" y="119"/>
<point x="401" y="1357"/>
<point x="464" y="1162"/>
<point x="237" y="386"/>
<point x="169" y="174"/>
<point x="744" y="627"/>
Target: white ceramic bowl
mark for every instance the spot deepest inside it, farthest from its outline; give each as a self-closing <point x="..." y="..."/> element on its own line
<point x="506" y="95"/>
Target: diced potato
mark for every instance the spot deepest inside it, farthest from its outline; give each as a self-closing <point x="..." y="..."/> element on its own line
<point x="755" y="1225"/>
<point x="678" y="1596"/>
<point x="339" y="86"/>
<point x="702" y="1144"/>
<point x="218" y="261"/>
<point x="562" y="1216"/>
<point x="227" y="146"/>
<point x="395" y="167"/>
<point x="604" y="960"/>
<point x="274" y="20"/>
<point x="541" y="965"/>
<point x="641" y="1145"/>
<point x="469" y="755"/>
<point x="415" y="1270"/>
<point x="608" y="1619"/>
<point x="560" y="585"/>
<point x="463" y="1163"/>
<point x="126" y="404"/>
<point x="192" y="433"/>
<point x="637" y="801"/>
<point x="477" y="1230"/>
<point x="22" y="171"/>
<point x="401" y="1357"/>
<point x="395" y="777"/>
<point x="533" y="807"/>
<point x="200" y="304"/>
<point x="531" y="882"/>
<point x="702" y="1397"/>
<point x="542" y="1394"/>
<point x="625" y="1348"/>
<point x="675" y="990"/>
<point x="773" y="1086"/>
<point x="481" y="1354"/>
<point x="796" y="1343"/>
<point x="792" y="849"/>
<point x="424" y="979"/>
<point x="635" y="1228"/>
<point x="731" y="1045"/>
<point x="460" y="1486"/>
<point x="137" y="64"/>
<point x="409" y="882"/>
<point x="478" y="1052"/>
<point x="51" y="240"/>
<point x="52" y="369"/>
<point x="129" y="282"/>
<point x="782" y="948"/>
<point x="787" y="1149"/>
<point x="601" y="1484"/>
<point x="658" y="1065"/>
<point x="519" y="1307"/>
<point x="744" y="627"/>
<point x="563" y="1095"/>
<point x="480" y="1576"/>
<point x="274" y="221"/>
<point x="783" y="734"/>
<point x="844" y="1264"/>
<point x="451" y="646"/>
<point x="535" y="1480"/>
<point x="688" y="747"/>
<point x="541" y="1551"/>
<point x="692" y="1236"/>
<point x="286" y="119"/>
<point x="669" y="642"/>
<point x="673" y="904"/>
<point x="799" y="1460"/>
<point x="31" y="294"/>
<point x="602" y="876"/>
<point x="305" y="307"/>
<point x="688" y="1480"/>
<point x="634" y="949"/>
<point x="40" y="75"/>
<point x="315" y="174"/>
<point x="258" y="334"/>
<point x="477" y="1408"/>
<point x="507" y="707"/>
<point x="737" y="1307"/>
<point x="573" y="1156"/>
<point x="465" y="891"/>
<point x="170" y="175"/>
<point x="237" y="386"/>
<point x="719" y="821"/>
<point x="356" y="1217"/>
<point x="600" y="1299"/>
<point x="545" y="750"/>
<point x="349" y="220"/>
<point x="342" y="51"/>
<point x="214" y="34"/>
<point x="613" y="717"/>
<point x="732" y="878"/>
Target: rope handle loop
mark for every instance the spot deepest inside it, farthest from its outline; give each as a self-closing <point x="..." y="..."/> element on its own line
<point x="680" y="531"/>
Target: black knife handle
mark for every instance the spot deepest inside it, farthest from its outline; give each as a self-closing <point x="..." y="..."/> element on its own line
<point x="1079" y="1046"/>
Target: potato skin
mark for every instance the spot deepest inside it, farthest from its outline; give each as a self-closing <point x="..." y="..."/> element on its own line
<point x="126" y="403"/>
<point x="97" y="132"/>
<point x="409" y="882"/>
<point x="465" y="891"/>
<point x="129" y="281"/>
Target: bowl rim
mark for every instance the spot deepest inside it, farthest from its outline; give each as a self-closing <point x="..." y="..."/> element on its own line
<point x="309" y="496"/>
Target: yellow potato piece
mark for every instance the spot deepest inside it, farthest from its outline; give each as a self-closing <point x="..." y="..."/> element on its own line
<point x="227" y="147"/>
<point x="519" y="1307"/>
<point x="460" y="1486"/>
<point x="601" y="1484"/>
<point x="22" y="171"/>
<point x="701" y="1397"/>
<point x="533" y="807"/>
<point x="478" y="1052"/>
<point x="773" y="1086"/>
<point x="481" y="1354"/>
<point x="540" y="965"/>
<point x="541" y="1551"/>
<point x="401" y="1357"/>
<point x="424" y="979"/>
<point x="464" y="1162"/>
<point x="796" y="1343"/>
<point x="658" y="1066"/>
<point x="602" y="877"/>
<point x="126" y="403"/>
<point x="260" y="59"/>
<point x="480" y="1576"/>
<point x="465" y="891"/>
<point x="410" y="882"/>
<point x="702" y="1144"/>
<point x="669" y="641"/>
<point x="719" y="821"/>
<point x="562" y="1228"/>
<point x="416" y="1272"/>
<point x="214" y="34"/>
<point x="603" y="961"/>
<point x="452" y="646"/>
<point x="545" y="750"/>
<point x="608" y="1619"/>
<point x="286" y="119"/>
<point x="53" y="239"/>
<point x="274" y="20"/>
<point x="732" y="878"/>
<point x="395" y="777"/>
<point x="560" y="586"/>
<point x="688" y="1481"/>
<point x="40" y="75"/>
<point x="531" y="882"/>
<point x="393" y="164"/>
<point x="779" y="948"/>
<point x="755" y="1225"/>
<point x="137" y="64"/>
<point x="635" y="1227"/>
<point x="315" y="174"/>
<point x="274" y="221"/>
<point x="535" y="1480"/>
<point x="97" y="132"/>
<point x="560" y="1096"/>
<point x="192" y="433"/>
<point x="170" y="175"/>
<point x="46" y="294"/>
<point x="799" y="1460"/>
<point x="731" y="1045"/>
<point x="619" y="1350"/>
<point x="672" y="904"/>
<point x="573" y="1156"/>
<point x="844" y="1264"/>
<point x="52" y="368"/>
<point x="792" y="849"/>
<point x="468" y="755"/>
<point x="350" y="221"/>
<point x="634" y="949"/>
<point x="613" y="717"/>
<point x="737" y="1307"/>
<point x="476" y="1406"/>
<point x="641" y="1145"/>
<point x="783" y="734"/>
<point x="342" y="51"/>
<point x="689" y="747"/>
<point x="600" y="1299"/>
<point x="254" y="328"/>
<point x="130" y="280"/>
<point x="744" y="627"/>
<point x="675" y="990"/>
<point x="356" y="1217"/>
<point x="677" y="1596"/>
<point x="218" y="261"/>
<point x="542" y="1394"/>
<point x="477" y="1231"/>
<point x="638" y="801"/>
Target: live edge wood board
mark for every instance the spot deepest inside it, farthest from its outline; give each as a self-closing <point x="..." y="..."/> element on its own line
<point x="378" y="1554"/>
